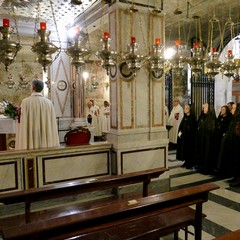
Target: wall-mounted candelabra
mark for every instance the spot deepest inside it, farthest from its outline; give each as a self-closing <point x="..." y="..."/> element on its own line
<point x="108" y="58"/>
<point x="133" y="60"/>
<point x="156" y="59"/>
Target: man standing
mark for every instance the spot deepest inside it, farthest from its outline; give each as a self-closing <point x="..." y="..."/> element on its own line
<point x="174" y="120"/>
<point x="37" y="127"/>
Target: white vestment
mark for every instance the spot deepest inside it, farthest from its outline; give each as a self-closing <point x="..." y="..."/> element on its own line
<point x="38" y="125"/>
<point x="105" y="119"/>
<point x="174" y="120"/>
<point x="94" y="112"/>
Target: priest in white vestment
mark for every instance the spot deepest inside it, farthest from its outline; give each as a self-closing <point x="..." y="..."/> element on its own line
<point x="174" y="120"/>
<point x="93" y="118"/>
<point x="37" y="127"/>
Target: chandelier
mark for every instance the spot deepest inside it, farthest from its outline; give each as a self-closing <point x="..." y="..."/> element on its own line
<point x="213" y="65"/>
<point x="197" y="59"/>
<point x="108" y="58"/>
<point x="156" y="59"/>
<point x="179" y="59"/>
<point x="8" y="48"/>
<point x="44" y="48"/>
<point x="133" y="60"/>
<point x="229" y="65"/>
<point x="76" y="51"/>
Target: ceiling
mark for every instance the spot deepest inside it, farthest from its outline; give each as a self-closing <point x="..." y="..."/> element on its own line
<point x="180" y="14"/>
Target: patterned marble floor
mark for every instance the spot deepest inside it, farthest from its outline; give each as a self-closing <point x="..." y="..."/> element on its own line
<point x="223" y="207"/>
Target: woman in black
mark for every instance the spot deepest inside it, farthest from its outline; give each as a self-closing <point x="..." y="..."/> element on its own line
<point x="204" y="141"/>
<point x="186" y="137"/>
<point x="222" y="123"/>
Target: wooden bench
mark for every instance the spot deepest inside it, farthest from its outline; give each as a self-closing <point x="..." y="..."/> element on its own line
<point x="235" y="235"/>
<point x="143" y="218"/>
<point x="78" y="187"/>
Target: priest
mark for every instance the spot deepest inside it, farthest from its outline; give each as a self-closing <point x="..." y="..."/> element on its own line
<point x="37" y="125"/>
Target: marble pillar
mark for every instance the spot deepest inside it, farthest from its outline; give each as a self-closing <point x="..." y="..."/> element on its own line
<point x="138" y="133"/>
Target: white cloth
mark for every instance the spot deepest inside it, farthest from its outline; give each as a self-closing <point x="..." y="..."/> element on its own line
<point x="38" y="125"/>
<point x="105" y="119"/>
<point x="174" y="120"/>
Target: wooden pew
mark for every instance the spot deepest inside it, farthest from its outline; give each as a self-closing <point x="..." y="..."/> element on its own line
<point x="124" y="219"/>
<point x="78" y="187"/>
<point x="235" y="235"/>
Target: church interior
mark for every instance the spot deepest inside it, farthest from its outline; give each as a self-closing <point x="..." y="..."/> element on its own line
<point x="112" y="70"/>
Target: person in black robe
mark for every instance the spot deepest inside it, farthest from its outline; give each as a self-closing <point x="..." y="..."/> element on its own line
<point x="229" y="150"/>
<point x="204" y="141"/>
<point x="186" y="137"/>
<point x="222" y="123"/>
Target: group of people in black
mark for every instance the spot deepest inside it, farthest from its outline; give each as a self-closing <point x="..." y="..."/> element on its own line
<point x="209" y="144"/>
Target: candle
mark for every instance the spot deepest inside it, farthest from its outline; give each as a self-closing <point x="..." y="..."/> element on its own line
<point x="214" y="49"/>
<point x="133" y="39"/>
<point x="5" y="22"/>
<point x="196" y="45"/>
<point x="157" y="41"/>
<point x="177" y="42"/>
<point x="106" y="35"/>
<point x="43" y="26"/>
<point x="229" y="52"/>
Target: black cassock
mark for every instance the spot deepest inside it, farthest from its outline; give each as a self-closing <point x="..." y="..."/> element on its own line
<point x="204" y="142"/>
<point x="186" y="139"/>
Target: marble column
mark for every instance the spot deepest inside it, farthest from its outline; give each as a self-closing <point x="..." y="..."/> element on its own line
<point x="138" y="133"/>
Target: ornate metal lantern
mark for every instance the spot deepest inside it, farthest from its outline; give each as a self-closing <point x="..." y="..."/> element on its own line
<point x="229" y="65"/>
<point x="156" y="59"/>
<point x="108" y="58"/>
<point x="43" y="48"/>
<point x="197" y="60"/>
<point x="179" y="59"/>
<point x="133" y="60"/>
<point x="76" y="51"/>
<point x="8" y="48"/>
<point x="213" y="65"/>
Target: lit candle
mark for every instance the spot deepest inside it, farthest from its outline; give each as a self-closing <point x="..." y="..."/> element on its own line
<point x="5" y="22"/>
<point x="196" y="45"/>
<point x="133" y="39"/>
<point x="157" y="41"/>
<point x="106" y="35"/>
<point x="214" y="49"/>
<point x="43" y="26"/>
<point x="229" y="52"/>
<point x="177" y="42"/>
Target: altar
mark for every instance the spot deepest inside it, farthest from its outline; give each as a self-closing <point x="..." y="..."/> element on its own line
<point x="7" y="128"/>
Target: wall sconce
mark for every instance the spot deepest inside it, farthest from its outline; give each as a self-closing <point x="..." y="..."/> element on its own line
<point x="108" y="58"/>
<point x="133" y="60"/>
<point x="156" y="60"/>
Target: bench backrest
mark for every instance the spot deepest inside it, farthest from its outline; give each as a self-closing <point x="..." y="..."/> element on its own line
<point x="72" y="188"/>
<point x="116" y="213"/>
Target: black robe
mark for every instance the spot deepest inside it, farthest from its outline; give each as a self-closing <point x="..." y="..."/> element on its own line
<point x="204" y="142"/>
<point x="186" y="138"/>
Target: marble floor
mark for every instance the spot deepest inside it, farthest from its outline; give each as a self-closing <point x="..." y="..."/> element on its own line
<point x="223" y="207"/>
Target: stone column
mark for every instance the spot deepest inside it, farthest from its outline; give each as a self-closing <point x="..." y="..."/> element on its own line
<point x="138" y="133"/>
